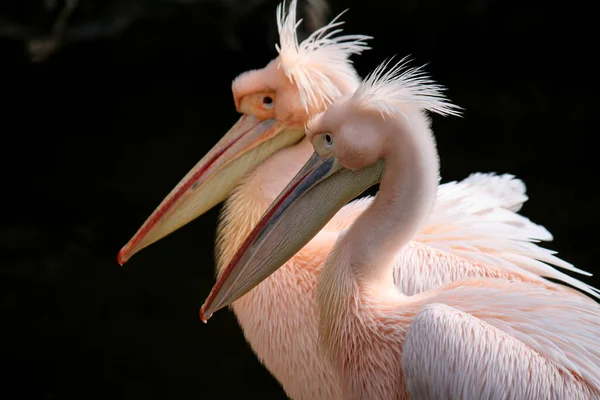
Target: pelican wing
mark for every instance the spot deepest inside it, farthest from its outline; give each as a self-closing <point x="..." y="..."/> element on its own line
<point x="480" y="340"/>
<point x="477" y="220"/>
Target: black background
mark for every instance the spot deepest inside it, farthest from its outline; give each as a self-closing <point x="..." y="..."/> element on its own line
<point x="96" y="135"/>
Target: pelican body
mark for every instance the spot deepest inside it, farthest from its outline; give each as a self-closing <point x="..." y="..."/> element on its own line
<point x="254" y="161"/>
<point x="249" y="166"/>
<point x="472" y="336"/>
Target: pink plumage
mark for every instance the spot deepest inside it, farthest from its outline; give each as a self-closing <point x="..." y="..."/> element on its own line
<point x="473" y="229"/>
<point x="404" y="300"/>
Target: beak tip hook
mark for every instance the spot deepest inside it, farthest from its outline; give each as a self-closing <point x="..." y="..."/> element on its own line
<point x="121" y="258"/>
<point x="203" y="317"/>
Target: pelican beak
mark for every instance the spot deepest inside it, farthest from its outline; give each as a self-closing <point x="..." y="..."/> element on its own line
<point x="302" y="209"/>
<point x="249" y="142"/>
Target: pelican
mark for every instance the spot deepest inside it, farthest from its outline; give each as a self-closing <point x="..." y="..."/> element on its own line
<point x="249" y="166"/>
<point x="474" y="337"/>
<point x="253" y="162"/>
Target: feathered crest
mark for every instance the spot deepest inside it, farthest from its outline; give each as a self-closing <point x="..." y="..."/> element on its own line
<point x="312" y="64"/>
<point x="384" y="88"/>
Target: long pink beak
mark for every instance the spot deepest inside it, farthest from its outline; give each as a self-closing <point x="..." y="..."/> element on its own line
<point x="213" y="178"/>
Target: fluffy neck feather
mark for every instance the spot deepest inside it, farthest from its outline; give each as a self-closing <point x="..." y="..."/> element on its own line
<point x="243" y="209"/>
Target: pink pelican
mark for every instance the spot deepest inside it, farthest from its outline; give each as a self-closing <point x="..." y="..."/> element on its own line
<point x="251" y="164"/>
<point x="473" y="337"/>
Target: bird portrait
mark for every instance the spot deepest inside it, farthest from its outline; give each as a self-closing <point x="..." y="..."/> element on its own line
<point x="298" y="199"/>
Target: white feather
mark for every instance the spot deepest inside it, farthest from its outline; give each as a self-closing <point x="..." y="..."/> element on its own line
<point x="311" y="64"/>
<point x="386" y="87"/>
<point x="475" y="219"/>
<point x="573" y="343"/>
<point x="560" y="328"/>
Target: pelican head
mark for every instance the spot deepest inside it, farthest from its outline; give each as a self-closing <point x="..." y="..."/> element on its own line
<point x="352" y="141"/>
<point x="275" y="103"/>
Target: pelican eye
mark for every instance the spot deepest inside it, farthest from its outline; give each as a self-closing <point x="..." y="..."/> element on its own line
<point x="328" y="140"/>
<point x="267" y="101"/>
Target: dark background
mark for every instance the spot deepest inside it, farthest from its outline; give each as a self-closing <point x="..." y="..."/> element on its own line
<point x="95" y="134"/>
